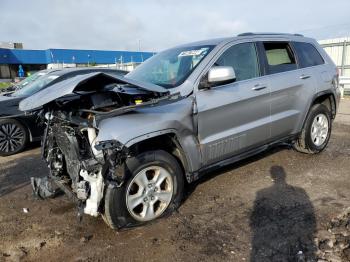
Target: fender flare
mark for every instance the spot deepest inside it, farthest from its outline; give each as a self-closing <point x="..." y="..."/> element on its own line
<point x="318" y="95"/>
<point x="180" y="143"/>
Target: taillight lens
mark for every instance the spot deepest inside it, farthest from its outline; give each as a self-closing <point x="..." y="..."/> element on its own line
<point x="336" y="80"/>
<point x="338" y="74"/>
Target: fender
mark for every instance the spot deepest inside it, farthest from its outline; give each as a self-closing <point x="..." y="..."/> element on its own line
<point x="149" y="122"/>
<point x="26" y="125"/>
<point x="188" y="144"/>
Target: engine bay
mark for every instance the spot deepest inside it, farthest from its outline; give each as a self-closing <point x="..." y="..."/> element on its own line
<point x="78" y="165"/>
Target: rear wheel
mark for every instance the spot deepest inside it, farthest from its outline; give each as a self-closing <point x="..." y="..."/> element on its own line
<point x="316" y="131"/>
<point x="13" y="137"/>
<point x="153" y="188"/>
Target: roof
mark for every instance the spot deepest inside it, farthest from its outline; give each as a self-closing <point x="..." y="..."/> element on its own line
<point x="268" y="34"/>
<point x="26" y="56"/>
<point x="217" y="41"/>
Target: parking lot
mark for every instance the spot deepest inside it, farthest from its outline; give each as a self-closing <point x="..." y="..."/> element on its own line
<point x="228" y="215"/>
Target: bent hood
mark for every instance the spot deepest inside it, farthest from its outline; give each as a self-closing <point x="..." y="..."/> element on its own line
<point x="82" y="83"/>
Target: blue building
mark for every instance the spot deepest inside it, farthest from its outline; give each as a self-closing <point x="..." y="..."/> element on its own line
<point x="33" y="60"/>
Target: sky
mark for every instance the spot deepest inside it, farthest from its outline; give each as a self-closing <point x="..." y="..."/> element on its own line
<point x="154" y="25"/>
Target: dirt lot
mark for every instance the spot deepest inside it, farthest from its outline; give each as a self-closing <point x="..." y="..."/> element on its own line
<point x="266" y="208"/>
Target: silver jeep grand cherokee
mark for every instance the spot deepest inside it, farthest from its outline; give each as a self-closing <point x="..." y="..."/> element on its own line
<point x="124" y="147"/>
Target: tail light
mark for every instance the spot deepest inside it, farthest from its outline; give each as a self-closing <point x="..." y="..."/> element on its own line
<point x="336" y="80"/>
<point x="338" y="74"/>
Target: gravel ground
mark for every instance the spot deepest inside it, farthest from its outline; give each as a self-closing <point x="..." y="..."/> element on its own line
<point x="278" y="206"/>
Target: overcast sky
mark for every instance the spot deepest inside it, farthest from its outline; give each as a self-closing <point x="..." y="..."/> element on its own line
<point x="159" y="24"/>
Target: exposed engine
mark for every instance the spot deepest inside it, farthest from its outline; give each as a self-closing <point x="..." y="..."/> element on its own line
<point x="69" y="153"/>
<point x="79" y="165"/>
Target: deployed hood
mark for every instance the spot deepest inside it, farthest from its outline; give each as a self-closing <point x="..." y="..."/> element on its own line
<point x="83" y="83"/>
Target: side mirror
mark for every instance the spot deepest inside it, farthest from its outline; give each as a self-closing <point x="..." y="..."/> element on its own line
<point x="221" y="75"/>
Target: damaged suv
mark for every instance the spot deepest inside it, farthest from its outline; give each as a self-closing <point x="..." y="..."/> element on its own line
<point x="124" y="146"/>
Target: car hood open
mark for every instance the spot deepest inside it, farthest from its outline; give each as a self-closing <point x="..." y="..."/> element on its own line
<point x="83" y="83"/>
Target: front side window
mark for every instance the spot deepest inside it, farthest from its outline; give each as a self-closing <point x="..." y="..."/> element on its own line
<point x="172" y="67"/>
<point x="307" y="54"/>
<point x="280" y="57"/>
<point x="243" y="59"/>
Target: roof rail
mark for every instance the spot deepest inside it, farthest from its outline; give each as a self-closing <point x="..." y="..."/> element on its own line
<point x="250" y="33"/>
<point x="246" y="34"/>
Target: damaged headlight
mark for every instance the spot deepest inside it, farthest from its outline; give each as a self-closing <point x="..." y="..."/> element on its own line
<point x="109" y="144"/>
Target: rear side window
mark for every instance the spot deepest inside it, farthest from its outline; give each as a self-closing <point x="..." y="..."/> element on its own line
<point x="279" y="56"/>
<point x="243" y="58"/>
<point x="307" y="55"/>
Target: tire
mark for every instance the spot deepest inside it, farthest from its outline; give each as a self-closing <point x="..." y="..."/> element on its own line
<point x="118" y="211"/>
<point x="307" y="142"/>
<point x="13" y="137"/>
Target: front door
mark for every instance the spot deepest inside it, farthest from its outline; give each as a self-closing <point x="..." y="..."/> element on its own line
<point x="235" y="117"/>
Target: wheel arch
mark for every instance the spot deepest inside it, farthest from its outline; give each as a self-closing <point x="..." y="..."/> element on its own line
<point x="165" y="140"/>
<point x="26" y="125"/>
<point x="326" y="98"/>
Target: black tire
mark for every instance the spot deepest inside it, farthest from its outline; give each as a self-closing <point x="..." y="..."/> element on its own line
<point x="304" y="143"/>
<point x="116" y="213"/>
<point x="13" y="137"/>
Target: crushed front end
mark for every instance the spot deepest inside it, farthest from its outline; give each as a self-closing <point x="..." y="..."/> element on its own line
<point x="80" y="166"/>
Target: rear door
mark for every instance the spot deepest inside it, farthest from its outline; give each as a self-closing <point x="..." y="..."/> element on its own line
<point x="290" y="85"/>
<point x="313" y="63"/>
<point x="315" y="67"/>
<point x="234" y="117"/>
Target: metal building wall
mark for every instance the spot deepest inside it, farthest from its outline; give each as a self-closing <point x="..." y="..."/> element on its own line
<point x="339" y="50"/>
<point x="24" y="56"/>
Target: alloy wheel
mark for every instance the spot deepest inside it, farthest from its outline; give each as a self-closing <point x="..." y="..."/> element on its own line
<point x="149" y="193"/>
<point x="11" y="137"/>
<point x="319" y="129"/>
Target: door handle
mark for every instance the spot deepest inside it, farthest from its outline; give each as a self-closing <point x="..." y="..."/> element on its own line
<point x="305" y="76"/>
<point x="258" y="87"/>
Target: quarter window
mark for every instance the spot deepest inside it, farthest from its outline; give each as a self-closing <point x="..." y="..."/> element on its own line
<point x="307" y="55"/>
<point x="280" y="57"/>
<point x="243" y="59"/>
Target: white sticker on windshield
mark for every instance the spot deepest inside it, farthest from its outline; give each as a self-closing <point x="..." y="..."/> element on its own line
<point x="193" y="52"/>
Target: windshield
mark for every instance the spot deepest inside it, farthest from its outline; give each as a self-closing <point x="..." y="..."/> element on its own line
<point x="36" y="85"/>
<point x="170" y="68"/>
<point x="29" y="79"/>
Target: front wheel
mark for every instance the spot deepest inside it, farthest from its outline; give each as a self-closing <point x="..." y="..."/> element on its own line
<point x="316" y="131"/>
<point x="154" y="188"/>
<point x="13" y="137"/>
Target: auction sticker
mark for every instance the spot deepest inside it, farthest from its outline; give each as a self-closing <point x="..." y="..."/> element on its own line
<point x="193" y="52"/>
